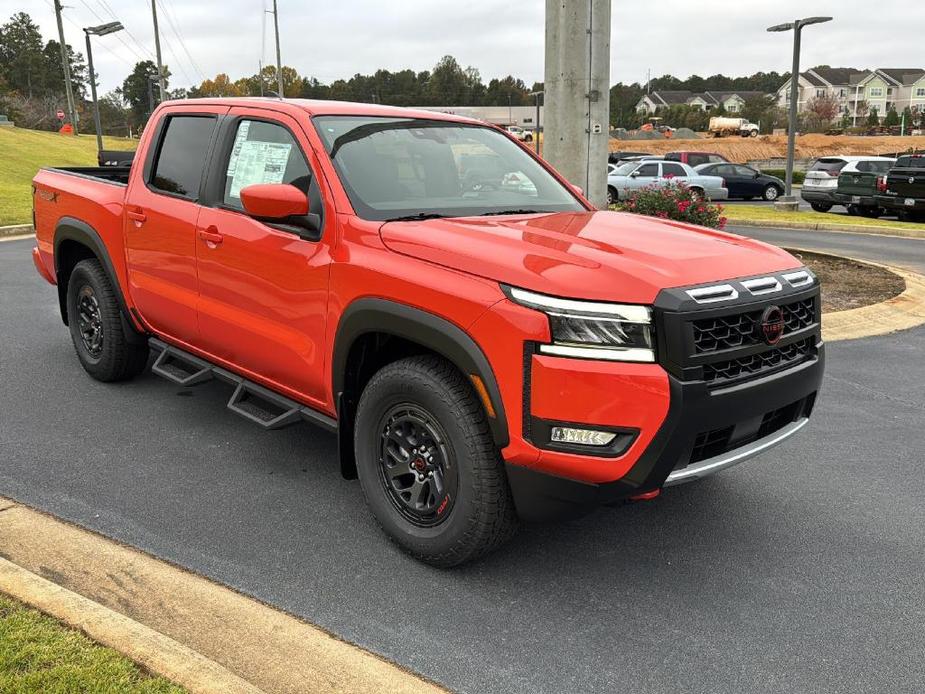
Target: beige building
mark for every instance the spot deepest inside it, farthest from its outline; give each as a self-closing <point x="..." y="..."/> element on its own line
<point x="881" y="89"/>
<point x="732" y="101"/>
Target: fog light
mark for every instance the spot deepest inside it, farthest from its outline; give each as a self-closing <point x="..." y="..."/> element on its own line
<point x="586" y="437"/>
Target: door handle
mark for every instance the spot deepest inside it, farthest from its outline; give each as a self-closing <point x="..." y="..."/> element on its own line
<point x="211" y="236"/>
<point x="138" y="216"/>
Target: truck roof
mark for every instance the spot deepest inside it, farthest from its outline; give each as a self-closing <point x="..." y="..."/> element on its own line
<point x="315" y="107"/>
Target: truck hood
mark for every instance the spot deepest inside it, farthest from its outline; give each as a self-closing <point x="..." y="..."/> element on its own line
<point x="605" y="256"/>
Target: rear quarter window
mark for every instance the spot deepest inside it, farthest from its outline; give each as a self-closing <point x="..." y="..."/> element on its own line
<point x="181" y="155"/>
<point x="829" y="166"/>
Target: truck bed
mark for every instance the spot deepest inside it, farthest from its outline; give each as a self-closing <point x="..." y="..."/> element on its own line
<point x="110" y="174"/>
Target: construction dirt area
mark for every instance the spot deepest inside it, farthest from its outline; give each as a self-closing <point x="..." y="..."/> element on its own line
<point x="741" y="149"/>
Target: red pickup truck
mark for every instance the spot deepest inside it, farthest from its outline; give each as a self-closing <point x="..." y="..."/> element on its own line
<point x="486" y="345"/>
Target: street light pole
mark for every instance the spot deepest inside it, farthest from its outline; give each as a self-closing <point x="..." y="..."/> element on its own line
<point x="797" y="27"/>
<point x="536" y="132"/>
<point x="100" y="30"/>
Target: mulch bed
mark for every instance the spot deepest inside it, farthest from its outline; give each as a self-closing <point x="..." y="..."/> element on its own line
<point x="849" y="284"/>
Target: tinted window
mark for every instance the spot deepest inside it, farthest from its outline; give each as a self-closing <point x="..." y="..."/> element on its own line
<point x="673" y="170"/>
<point x="263" y="153"/>
<point x="878" y="167"/>
<point x="182" y="155"/>
<point x="713" y="158"/>
<point x="673" y="156"/>
<point x="723" y="170"/>
<point x="648" y="170"/>
<point x="745" y="171"/>
<point x="697" y="159"/>
<point x="830" y="166"/>
<point x="916" y="161"/>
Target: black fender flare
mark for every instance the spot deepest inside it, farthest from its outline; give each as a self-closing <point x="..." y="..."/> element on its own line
<point x="369" y="315"/>
<point x="72" y="229"/>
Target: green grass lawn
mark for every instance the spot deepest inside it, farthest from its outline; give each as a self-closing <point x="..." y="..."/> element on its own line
<point x="38" y="655"/>
<point x="766" y="213"/>
<point x="23" y="152"/>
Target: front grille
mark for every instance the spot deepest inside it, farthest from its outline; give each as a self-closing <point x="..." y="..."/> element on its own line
<point x="710" y="444"/>
<point x="761" y="363"/>
<point x="740" y="329"/>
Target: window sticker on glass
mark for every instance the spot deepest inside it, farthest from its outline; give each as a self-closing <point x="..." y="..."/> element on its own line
<point x="258" y="162"/>
<point x="239" y="139"/>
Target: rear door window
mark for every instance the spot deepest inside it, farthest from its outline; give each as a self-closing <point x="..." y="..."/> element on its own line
<point x="650" y="170"/>
<point x="670" y="170"/>
<point x="181" y="155"/>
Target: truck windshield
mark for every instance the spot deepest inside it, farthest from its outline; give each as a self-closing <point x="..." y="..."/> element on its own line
<point x="394" y="168"/>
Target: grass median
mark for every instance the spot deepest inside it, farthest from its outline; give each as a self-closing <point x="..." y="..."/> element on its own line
<point x="39" y="655"/>
<point x="770" y="215"/>
<point x="24" y="152"/>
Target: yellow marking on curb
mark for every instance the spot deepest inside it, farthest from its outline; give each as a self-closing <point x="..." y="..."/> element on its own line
<point x="264" y="647"/>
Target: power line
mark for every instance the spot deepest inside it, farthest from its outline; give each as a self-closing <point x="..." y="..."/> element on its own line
<point x="119" y="38"/>
<point x="175" y="26"/>
<point x="144" y="49"/>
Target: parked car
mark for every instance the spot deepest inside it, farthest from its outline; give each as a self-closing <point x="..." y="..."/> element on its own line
<point x="858" y="189"/>
<point x="482" y="354"/>
<point x="721" y="126"/>
<point x="744" y="182"/>
<point x="634" y="175"/>
<point x="821" y="182"/>
<point x="696" y="158"/>
<point x="520" y="133"/>
<point x="902" y="190"/>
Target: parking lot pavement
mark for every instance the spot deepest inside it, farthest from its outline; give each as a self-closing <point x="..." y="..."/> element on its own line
<point x="798" y="571"/>
<point x="804" y="206"/>
<point x="892" y="250"/>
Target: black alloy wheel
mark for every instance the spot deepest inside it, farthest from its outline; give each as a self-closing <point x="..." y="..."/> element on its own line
<point x="90" y="321"/>
<point x="416" y="465"/>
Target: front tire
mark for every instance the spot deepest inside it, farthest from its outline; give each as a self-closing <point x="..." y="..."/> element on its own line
<point x="771" y="193"/>
<point x="429" y="468"/>
<point x="611" y="196"/>
<point x="105" y="349"/>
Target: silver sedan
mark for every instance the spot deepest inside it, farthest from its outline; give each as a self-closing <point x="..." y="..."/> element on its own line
<point x="622" y="180"/>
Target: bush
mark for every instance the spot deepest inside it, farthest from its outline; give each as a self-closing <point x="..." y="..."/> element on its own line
<point x="677" y="202"/>
<point x="798" y="176"/>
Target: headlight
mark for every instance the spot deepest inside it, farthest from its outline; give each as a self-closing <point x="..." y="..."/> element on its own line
<point x="592" y="330"/>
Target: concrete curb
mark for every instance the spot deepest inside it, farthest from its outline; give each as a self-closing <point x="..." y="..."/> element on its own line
<point x="901" y="312"/>
<point x="17" y="230"/>
<point x="193" y="631"/>
<point x="145" y="646"/>
<point x="901" y="232"/>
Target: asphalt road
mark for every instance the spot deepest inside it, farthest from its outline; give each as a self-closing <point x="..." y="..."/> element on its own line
<point x="893" y="250"/>
<point x="799" y="571"/>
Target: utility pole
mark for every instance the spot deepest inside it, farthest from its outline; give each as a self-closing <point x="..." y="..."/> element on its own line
<point x="577" y="99"/>
<point x="68" y="87"/>
<point x="157" y="50"/>
<point x="536" y="130"/>
<point x="279" y="63"/>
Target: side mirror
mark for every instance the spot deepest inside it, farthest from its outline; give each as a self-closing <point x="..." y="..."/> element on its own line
<point x="757" y="174"/>
<point x="281" y="203"/>
<point x="635" y="174"/>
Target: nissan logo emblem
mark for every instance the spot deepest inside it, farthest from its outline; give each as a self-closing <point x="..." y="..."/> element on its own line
<point x="771" y="325"/>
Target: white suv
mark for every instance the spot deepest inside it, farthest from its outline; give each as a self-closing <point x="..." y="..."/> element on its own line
<point x="822" y="178"/>
<point x="520" y="133"/>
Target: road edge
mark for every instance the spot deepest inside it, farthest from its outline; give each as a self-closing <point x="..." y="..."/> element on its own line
<point x="904" y="311"/>
<point x="188" y="628"/>
<point x="897" y="232"/>
<point x="17" y="230"/>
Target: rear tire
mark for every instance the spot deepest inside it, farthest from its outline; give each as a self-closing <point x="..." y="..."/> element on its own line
<point x="105" y="349"/>
<point x="697" y="195"/>
<point x="821" y="206"/>
<point x="870" y="212"/>
<point x="771" y="193"/>
<point x="446" y="502"/>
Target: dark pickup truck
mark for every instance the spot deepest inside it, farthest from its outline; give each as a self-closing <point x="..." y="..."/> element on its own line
<point x="903" y="191"/>
<point x="857" y="189"/>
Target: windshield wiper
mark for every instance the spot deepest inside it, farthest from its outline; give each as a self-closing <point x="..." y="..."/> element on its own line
<point x="502" y="212"/>
<point x="418" y="217"/>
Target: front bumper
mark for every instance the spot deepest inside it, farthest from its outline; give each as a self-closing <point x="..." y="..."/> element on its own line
<point x="819" y="195"/>
<point x="695" y="410"/>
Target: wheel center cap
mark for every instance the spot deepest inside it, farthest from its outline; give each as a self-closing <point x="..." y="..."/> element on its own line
<point x="419" y="464"/>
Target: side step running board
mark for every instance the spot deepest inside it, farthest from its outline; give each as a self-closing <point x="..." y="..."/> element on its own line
<point x="262" y="406"/>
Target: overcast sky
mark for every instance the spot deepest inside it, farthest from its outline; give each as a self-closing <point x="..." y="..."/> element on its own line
<point x="336" y="39"/>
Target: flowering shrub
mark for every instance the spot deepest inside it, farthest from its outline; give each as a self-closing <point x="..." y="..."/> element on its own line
<point x="674" y="201"/>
